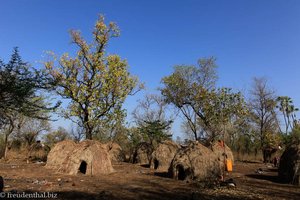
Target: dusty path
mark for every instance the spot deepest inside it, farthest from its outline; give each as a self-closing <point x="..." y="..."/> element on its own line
<point x="136" y="182"/>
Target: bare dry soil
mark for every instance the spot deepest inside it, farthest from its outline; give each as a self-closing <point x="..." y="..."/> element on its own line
<point x="137" y="182"/>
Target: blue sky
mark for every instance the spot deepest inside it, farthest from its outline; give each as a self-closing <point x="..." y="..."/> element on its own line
<point x="250" y="38"/>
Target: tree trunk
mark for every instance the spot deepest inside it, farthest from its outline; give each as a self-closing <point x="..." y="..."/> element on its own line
<point x="5" y="146"/>
<point x="88" y="132"/>
<point x="88" y="128"/>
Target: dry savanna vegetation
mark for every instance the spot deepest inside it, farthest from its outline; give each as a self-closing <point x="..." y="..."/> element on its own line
<point x="231" y="147"/>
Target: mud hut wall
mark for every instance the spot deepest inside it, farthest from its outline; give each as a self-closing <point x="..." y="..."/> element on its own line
<point x="197" y="161"/>
<point x="162" y="157"/>
<point x="59" y="153"/>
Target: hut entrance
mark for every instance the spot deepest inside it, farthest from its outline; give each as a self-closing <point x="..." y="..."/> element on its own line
<point x="181" y="175"/>
<point x="156" y="163"/>
<point x="83" y="167"/>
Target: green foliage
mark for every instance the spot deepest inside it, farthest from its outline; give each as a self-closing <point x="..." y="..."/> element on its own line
<point x="18" y="89"/>
<point x="156" y="131"/>
<point x="54" y="137"/>
<point x="191" y="89"/>
<point x="96" y="83"/>
<point x="287" y="108"/>
<point x="293" y="137"/>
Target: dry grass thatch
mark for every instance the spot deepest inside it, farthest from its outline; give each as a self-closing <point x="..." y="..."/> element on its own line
<point x="163" y="155"/>
<point x="59" y="153"/>
<point x="289" y="166"/>
<point x="218" y="148"/>
<point x="38" y="152"/>
<point x="142" y="154"/>
<point x="195" y="162"/>
<point x="115" y="152"/>
<point x="88" y="157"/>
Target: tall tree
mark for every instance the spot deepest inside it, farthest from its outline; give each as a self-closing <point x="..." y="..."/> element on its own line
<point x="181" y="85"/>
<point x="96" y="83"/>
<point x="192" y="90"/>
<point x="288" y="110"/>
<point x="262" y="105"/>
<point x="151" y="119"/>
<point x="19" y="87"/>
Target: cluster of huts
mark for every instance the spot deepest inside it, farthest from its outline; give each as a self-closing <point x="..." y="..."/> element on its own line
<point x="193" y="161"/>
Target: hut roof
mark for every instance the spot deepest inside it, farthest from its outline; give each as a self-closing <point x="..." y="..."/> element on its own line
<point x="115" y="152"/>
<point x="87" y="157"/>
<point x="142" y="154"/>
<point x="163" y="155"/>
<point x="220" y="148"/>
<point x="289" y="165"/>
<point x="195" y="162"/>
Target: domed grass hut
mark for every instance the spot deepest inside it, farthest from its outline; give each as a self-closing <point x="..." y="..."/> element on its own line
<point x="195" y="162"/>
<point x="218" y="148"/>
<point x="163" y="155"/>
<point x="38" y="152"/>
<point x="115" y="152"/>
<point x="142" y="154"/>
<point x="88" y="157"/>
<point x="289" y="165"/>
<point x="59" y="153"/>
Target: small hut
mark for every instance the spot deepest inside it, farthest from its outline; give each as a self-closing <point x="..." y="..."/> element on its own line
<point x="38" y="152"/>
<point x="222" y="151"/>
<point x="88" y="157"/>
<point x="142" y="154"/>
<point x="195" y="162"/>
<point x="289" y="165"/>
<point x="115" y="152"/>
<point x="163" y="155"/>
<point x="59" y="153"/>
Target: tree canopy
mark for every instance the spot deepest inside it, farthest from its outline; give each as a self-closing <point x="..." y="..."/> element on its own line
<point x="96" y="83"/>
<point x="192" y="90"/>
<point x="19" y="84"/>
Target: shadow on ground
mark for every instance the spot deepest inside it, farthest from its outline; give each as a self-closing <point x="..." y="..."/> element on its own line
<point x="143" y="194"/>
<point x="266" y="177"/>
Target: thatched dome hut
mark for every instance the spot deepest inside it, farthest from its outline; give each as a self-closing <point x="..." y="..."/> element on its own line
<point x="115" y="152"/>
<point x="88" y="157"/>
<point x="220" y="148"/>
<point x="142" y="154"/>
<point x="195" y="162"/>
<point x="289" y="165"/>
<point x="163" y="155"/>
<point x="59" y="153"/>
<point x="38" y="152"/>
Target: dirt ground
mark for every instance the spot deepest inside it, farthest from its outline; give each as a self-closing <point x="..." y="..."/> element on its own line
<point x="137" y="182"/>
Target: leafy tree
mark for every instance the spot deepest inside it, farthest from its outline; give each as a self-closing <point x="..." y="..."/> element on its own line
<point x="96" y="83"/>
<point x="156" y="131"/>
<point x="180" y="88"/>
<point x="19" y="87"/>
<point x="151" y="119"/>
<point x="205" y="108"/>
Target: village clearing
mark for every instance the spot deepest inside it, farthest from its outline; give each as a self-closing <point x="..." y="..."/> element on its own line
<point x="132" y="181"/>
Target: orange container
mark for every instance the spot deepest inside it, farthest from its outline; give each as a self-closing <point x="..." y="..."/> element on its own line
<point x="229" y="165"/>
